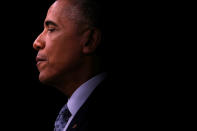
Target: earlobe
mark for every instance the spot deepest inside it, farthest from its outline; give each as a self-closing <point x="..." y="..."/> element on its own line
<point x="91" y="41"/>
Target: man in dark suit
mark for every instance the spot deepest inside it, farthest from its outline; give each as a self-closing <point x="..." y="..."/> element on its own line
<point x="69" y="59"/>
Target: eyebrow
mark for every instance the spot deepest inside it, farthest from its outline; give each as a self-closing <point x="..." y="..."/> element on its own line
<point x="49" y="22"/>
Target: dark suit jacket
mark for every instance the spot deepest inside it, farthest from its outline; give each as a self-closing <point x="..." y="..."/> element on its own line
<point x="99" y="111"/>
<point x="116" y="105"/>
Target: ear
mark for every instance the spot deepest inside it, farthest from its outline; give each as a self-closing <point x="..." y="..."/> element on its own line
<point x="91" y="40"/>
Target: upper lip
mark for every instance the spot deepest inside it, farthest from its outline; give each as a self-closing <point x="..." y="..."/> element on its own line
<point x="40" y="58"/>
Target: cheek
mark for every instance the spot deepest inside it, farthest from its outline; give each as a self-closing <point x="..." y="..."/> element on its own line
<point x="64" y="46"/>
<point x="64" y="55"/>
<point x="66" y="59"/>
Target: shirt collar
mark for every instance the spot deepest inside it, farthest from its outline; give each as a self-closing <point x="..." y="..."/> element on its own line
<point x="83" y="92"/>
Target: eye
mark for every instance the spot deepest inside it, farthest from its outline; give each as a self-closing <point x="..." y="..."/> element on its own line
<point x="51" y="29"/>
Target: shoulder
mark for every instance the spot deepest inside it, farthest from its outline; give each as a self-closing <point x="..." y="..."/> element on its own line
<point x="97" y="109"/>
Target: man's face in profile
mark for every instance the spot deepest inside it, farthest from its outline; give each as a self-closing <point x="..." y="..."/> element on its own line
<point x="59" y="50"/>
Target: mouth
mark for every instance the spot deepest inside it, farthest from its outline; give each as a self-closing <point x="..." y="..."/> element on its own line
<point x="40" y="60"/>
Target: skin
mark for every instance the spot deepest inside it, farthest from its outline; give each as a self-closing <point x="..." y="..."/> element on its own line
<point x="66" y="57"/>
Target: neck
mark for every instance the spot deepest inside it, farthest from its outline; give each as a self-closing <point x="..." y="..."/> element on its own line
<point x="73" y="80"/>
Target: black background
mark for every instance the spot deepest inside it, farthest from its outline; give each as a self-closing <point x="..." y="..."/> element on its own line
<point x="138" y="39"/>
<point x="26" y="103"/>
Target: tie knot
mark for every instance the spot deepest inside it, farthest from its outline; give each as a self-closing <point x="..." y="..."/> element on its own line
<point x="65" y="111"/>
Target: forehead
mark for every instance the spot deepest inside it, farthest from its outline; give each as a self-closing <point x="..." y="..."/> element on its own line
<point x="58" y="9"/>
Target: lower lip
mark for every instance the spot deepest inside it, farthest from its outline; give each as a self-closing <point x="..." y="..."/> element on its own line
<point x="39" y="62"/>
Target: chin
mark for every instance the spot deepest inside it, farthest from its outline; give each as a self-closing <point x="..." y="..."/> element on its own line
<point x="45" y="79"/>
<point x="48" y="79"/>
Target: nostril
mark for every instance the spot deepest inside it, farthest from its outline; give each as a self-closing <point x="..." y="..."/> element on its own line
<point x="36" y="47"/>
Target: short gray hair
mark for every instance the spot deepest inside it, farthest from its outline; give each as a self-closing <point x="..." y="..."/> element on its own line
<point x="86" y="11"/>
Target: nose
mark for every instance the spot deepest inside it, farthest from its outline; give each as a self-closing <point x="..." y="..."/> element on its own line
<point x="39" y="43"/>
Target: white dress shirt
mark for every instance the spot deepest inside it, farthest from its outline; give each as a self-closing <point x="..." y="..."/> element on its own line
<point x="81" y="94"/>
